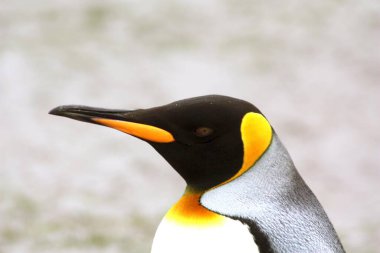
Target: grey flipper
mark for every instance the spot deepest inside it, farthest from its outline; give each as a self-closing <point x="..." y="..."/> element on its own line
<point x="273" y="200"/>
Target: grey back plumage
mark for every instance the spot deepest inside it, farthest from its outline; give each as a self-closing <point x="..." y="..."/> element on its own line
<point x="273" y="200"/>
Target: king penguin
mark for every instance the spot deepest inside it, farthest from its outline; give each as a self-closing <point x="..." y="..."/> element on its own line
<point x="243" y="193"/>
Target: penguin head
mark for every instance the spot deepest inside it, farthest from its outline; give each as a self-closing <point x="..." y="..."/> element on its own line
<point x="208" y="140"/>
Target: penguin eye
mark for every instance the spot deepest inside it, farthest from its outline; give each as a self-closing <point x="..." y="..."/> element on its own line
<point x="203" y="131"/>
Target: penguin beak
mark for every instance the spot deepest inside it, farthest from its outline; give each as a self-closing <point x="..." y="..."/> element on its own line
<point x="122" y="120"/>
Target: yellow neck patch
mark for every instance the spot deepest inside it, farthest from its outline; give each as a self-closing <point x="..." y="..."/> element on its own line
<point x="189" y="212"/>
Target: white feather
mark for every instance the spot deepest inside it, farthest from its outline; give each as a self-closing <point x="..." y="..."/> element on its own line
<point x="229" y="236"/>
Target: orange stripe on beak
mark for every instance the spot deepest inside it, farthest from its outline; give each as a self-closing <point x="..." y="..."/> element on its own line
<point x="146" y="132"/>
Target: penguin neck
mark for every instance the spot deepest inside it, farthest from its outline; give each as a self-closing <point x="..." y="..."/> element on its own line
<point x="189" y="212"/>
<point x="280" y="209"/>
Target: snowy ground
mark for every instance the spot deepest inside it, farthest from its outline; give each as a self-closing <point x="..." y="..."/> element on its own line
<point x="312" y="67"/>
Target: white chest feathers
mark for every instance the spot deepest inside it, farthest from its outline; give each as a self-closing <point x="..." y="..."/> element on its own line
<point x="227" y="236"/>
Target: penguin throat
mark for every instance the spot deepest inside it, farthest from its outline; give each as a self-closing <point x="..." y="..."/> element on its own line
<point x="189" y="212"/>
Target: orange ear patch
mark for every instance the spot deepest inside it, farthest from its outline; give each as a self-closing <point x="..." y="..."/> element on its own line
<point x="256" y="134"/>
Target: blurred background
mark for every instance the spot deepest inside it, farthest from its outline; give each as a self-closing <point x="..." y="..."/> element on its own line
<point x="312" y="67"/>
